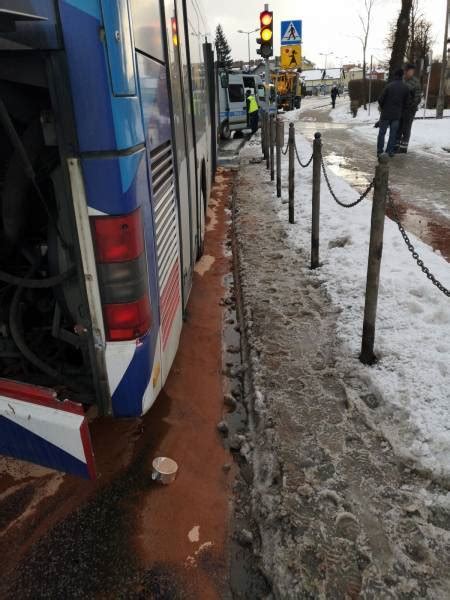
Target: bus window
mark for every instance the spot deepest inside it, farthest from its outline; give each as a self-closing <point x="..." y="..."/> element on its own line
<point x="236" y="92"/>
<point x="147" y="27"/>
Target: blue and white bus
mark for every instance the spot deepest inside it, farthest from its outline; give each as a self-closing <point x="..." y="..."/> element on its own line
<point x="107" y="153"/>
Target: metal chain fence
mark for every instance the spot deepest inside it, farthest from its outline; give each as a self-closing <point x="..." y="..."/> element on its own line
<point x="304" y="165"/>
<point x="412" y="249"/>
<point x="333" y="195"/>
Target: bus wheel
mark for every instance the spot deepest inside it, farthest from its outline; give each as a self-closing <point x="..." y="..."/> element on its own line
<point x="225" y="131"/>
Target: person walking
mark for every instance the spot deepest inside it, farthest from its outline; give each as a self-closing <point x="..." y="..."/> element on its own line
<point x="393" y="102"/>
<point x="415" y="95"/>
<point x="252" y="112"/>
<point x="334" y="95"/>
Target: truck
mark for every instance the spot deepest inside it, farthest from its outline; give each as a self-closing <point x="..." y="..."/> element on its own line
<point x="288" y="85"/>
<point x="107" y="154"/>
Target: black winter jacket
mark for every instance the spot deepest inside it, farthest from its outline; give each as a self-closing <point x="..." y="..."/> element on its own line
<point x="394" y="100"/>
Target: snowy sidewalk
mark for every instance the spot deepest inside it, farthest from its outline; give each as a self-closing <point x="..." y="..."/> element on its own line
<point x="339" y="513"/>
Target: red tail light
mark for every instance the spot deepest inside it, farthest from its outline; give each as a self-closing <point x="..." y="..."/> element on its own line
<point x="128" y="321"/>
<point x="123" y="275"/>
<point x="118" y="239"/>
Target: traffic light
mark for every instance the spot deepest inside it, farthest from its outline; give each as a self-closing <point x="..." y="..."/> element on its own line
<point x="174" y="26"/>
<point x="266" y="34"/>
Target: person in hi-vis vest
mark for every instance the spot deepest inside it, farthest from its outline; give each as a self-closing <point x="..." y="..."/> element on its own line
<point x="252" y="112"/>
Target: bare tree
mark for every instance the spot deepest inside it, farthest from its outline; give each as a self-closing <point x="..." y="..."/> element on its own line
<point x="419" y="42"/>
<point x="365" y="20"/>
<point x="400" y="38"/>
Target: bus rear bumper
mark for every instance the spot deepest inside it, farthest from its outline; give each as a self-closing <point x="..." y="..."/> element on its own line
<point x="37" y="427"/>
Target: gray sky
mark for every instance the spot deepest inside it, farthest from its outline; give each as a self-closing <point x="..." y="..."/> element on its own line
<point x="328" y="25"/>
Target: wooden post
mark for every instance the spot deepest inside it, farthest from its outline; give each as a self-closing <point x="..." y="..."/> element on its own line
<point x="375" y="254"/>
<point x="280" y="144"/>
<point x="291" y="172"/>
<point x="315" y="227"/>
<point x="272" y="148"/>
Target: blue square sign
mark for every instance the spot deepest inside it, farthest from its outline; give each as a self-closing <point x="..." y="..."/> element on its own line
<point x="291" y="33"/>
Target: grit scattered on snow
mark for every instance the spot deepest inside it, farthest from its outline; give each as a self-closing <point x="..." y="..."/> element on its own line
<point x="412" y="377"/>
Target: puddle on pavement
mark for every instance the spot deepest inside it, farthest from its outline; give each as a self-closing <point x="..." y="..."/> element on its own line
<point x="342" y="167"/>
<point x="424" y="225"/>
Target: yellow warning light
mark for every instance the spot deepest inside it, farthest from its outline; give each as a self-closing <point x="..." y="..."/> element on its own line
<point x="266" y="35"/>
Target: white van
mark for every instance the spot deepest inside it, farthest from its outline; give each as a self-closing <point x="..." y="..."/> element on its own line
<point x="232" y="100"/>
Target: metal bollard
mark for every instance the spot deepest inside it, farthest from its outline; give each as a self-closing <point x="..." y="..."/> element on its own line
<point x="266" y="136"/>
<point x="280" y="144"/>
<point x="367" y="355"/>
<point x="272" y="148"/>
<point x="262" y="133"/>
<point x="315" y="226"/>
<point x="291" y="172"/>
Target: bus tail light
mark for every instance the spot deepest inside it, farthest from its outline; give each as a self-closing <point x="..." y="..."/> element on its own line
<point x="128" y="321"/>
<point x="123" y="275"/>
<point x="119" y="238"/>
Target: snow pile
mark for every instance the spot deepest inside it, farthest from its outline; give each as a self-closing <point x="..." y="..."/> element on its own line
<point x="409" y="387"/>
<point x="342" y="114"/>
<point x="427" y="136"/>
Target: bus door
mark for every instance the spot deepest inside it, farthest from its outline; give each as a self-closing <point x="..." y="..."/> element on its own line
<point x="184" y="142"/>
<point x="188" y="95"/>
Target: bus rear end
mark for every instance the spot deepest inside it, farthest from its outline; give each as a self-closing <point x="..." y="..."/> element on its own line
<point x="91" y="294"/>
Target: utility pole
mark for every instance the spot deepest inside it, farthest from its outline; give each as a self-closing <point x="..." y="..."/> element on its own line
<point x="370" y="81"/>
<point x="441" y="97"/>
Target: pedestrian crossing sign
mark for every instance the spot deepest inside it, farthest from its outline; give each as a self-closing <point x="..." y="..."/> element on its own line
<point x="291" y="57"/>
<point x="291" y="33"/>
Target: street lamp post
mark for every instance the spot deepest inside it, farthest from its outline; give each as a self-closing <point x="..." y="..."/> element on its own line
<point x="248" y="34"/>
<point x="326" y="54"/>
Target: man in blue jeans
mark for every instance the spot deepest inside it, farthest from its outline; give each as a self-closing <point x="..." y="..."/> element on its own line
<point x="393" y="102"/>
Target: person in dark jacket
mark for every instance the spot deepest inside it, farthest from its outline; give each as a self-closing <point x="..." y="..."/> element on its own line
<point x="415" y="95"/>
<point x="334" y="95"/>
<point x="393" y="102"/>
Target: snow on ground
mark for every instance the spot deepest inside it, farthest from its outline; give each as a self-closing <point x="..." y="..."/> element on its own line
<point x="429" y="135"/>
<point x="411" y="379"/>
<point x="342" y="114"/>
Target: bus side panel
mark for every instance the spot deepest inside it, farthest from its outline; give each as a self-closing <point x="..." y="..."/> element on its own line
<point x="161" y="167"/>
<point x="105" y="122"/>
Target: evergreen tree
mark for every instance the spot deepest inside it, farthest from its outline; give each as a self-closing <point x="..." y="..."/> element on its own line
<point x="223" y="49"/>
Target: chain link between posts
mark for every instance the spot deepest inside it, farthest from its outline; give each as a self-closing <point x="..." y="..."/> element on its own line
<point x="333" y="195"/>
<point x="299" y="160"/>
<point x="412" y="249"/>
